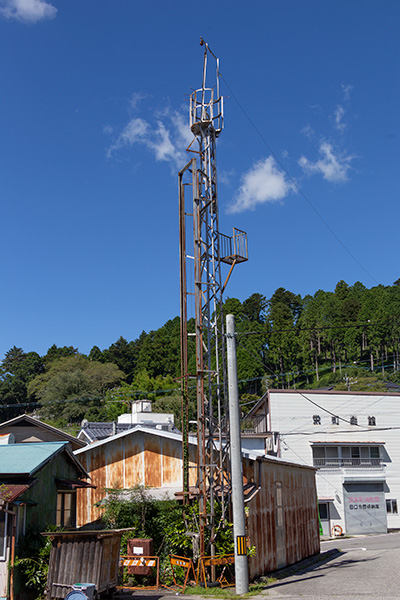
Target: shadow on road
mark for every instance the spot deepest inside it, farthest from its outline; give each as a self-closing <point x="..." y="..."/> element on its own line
<point x="320" y="563"/>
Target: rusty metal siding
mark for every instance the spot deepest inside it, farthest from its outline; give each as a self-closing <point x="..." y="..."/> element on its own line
<point x="282" y="534"/>
<point x="286" y="538"/>
<point x="142" y="458"/>
<point x="134" y="460"/>
<point x="171" y="464"/>
<point x="152" y="461"/>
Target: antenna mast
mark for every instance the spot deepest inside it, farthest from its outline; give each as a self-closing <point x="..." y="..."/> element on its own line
<point x="209" y="248"/>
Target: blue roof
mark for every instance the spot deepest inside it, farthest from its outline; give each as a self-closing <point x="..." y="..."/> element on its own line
<point x="27" y="458"/>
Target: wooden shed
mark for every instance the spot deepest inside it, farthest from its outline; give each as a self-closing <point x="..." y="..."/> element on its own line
<point x="83" y="556"/>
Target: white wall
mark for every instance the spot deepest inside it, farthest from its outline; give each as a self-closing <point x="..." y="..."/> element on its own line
<point x="291" y="414"/>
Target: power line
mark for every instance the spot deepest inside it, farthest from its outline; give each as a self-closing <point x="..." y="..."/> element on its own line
<point x="296" y="185"/>
<point x="318" y="328"/>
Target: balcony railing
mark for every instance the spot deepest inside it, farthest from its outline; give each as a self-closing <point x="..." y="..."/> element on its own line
<point x="255" y="424"/>
<point x="348" y="463"/>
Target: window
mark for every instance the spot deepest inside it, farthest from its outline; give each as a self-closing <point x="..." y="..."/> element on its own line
<point x="337" y="457"/>
<point x="66" y="509"/>
<point x="391" y="507"/>
<point x="325" y="456"/>
<point x="335" y="420"/>
<point x="316" y="420"/>
<point x="371" y="421"/>
<point x="353" y="420"/>
<point x="374" y="451"/>
<point x="3" y="534"/>
<point x="323" y="511"/>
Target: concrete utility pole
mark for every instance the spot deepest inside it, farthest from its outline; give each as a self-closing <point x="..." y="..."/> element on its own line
<point x="239" y="526"/>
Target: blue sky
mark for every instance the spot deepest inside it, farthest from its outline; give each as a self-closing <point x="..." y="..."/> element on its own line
<point x="93" y="127"/>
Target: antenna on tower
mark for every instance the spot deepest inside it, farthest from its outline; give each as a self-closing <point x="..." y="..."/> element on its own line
<point x="203" y="251"/>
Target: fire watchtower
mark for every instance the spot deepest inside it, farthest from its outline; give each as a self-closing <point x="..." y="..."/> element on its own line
<point x="203" y="249"/>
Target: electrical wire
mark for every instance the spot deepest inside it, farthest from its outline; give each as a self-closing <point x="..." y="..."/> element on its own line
<point x="319" y="328"/>
<point x="295" y="184"/>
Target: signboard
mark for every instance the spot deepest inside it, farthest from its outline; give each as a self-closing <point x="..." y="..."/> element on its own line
<point x="365" y="508"/>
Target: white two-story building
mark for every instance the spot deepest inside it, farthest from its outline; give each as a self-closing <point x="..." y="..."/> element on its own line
<point x="354" y="441"/>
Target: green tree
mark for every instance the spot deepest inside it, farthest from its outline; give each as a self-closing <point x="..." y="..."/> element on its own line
<point x="284" y="310"/>
<point x="160" y="351"/>
<point x="17" y="369"/>
<point x="54" y="353"/>
<point x="125" y="354"/>
<point x="73" y="388"/>
<point x="254" y="308"/>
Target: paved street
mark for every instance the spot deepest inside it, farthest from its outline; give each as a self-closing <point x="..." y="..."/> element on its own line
<point x="368" y="567"/>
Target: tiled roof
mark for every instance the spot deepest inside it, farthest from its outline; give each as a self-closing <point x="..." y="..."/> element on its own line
<point x="100" y="431"/>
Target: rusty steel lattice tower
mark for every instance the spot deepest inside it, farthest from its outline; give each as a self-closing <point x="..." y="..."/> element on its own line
<point x="203" y="249"/>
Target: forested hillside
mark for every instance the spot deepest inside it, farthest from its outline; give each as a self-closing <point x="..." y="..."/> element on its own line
<point x="349" y="337"/>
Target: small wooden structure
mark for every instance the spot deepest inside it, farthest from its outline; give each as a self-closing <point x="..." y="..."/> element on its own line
<point x="83" y="556"/>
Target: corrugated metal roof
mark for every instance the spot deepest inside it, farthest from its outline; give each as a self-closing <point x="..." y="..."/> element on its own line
<point x="12" y="491"/>
<point x="26" y="459"/>
<point x="137" y="428"/>
<point x="259" y="455"/>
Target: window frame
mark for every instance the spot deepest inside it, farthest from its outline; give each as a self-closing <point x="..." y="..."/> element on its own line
<point x="326" y="505"/>
<point x="63" y="510"/>
<point x="392" y="503"/>
<point x="348" y="456"/>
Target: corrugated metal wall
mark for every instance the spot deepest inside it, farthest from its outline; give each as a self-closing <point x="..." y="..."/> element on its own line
<point x="141" y="458"/>
<point x="282" y="521"/>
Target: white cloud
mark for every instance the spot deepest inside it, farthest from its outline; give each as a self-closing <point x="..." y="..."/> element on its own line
<point x="27" y="11"/>
<point x="333" y="167"/>
<point x="161" y="144"/>
<point x="308" y="131"/>
<point x="346" y="91"/>
<point x="166" y="139"/>
<point x="262" y="183"/>
<point x="338" y="115"/>
<point x="226" y="177"/>
<point x="135" y="100"/>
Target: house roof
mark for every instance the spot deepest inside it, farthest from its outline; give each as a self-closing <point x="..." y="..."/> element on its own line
<point x="345" y="443"/>
<point x="28" y="420"/>
<point x="249" y="454"/>
<point x="12" y="491"/>
<point x="26" y="459"/>
<point x="136" y="429"/>
<point x="333" y="392"/>
<point x="94" y="432"/>
<point x="257" y="455"/>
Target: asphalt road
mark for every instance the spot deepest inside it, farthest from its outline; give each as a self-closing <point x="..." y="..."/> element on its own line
<point x="367" y="567"/>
